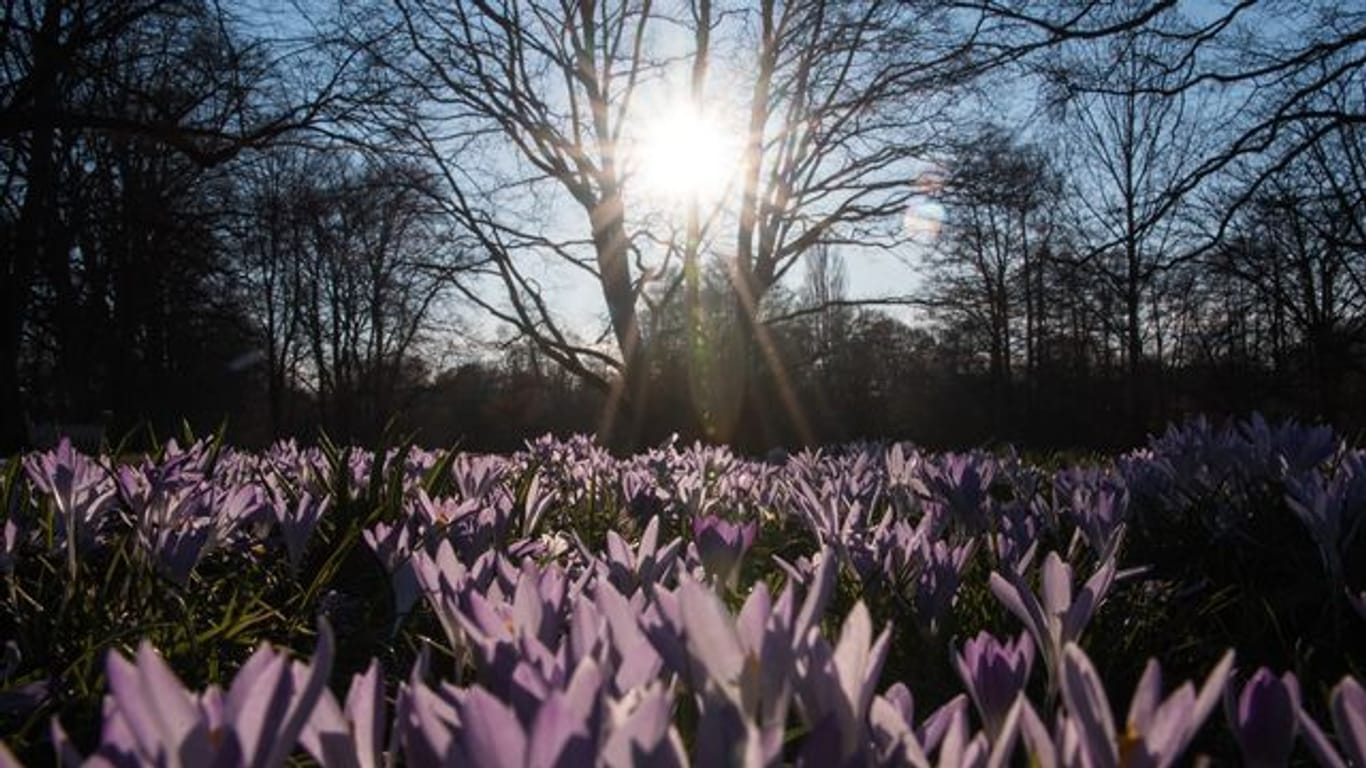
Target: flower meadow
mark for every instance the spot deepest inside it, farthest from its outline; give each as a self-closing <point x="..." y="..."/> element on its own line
<point x="870" y="604"/>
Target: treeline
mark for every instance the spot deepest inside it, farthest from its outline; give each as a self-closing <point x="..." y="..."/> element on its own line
<point x="359" y="223"/>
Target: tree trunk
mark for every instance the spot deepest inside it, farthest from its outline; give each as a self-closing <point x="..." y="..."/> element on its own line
<point x="626" y="404"/>
<point x="32" y="230"/>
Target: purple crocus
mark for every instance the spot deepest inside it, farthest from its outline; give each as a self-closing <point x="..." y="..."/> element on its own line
<point x="149" y="717"/>
<point x="393" y="546"/>
<point x="576" y="725"/>
<point x="642" y="567"/>
<point x="641" y="730"/>
<point x="720" y="545"/>
<point x="744" y="670"/>
<point x="1097" y="501"/>
<point x="1264" y="717"/>
<point x="1156" y="731"/>
<point x="1348" y="704"/>
<point x="1349" y="716"/>
<point x="297" y="520"/>
<point x="353" y="736"/>
<point x="78" y="486"/>
<point x="937" y="582"/>
<point x="897" y="741"/>
<point x="995" y="674"/>
<point x="1056" y="617"/>
<point x="837" y="689"/>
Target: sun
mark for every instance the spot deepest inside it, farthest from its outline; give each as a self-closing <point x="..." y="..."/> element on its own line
<point x="687" y="155"/>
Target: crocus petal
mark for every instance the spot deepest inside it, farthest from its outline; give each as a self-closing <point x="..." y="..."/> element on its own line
<point x="1092" y="593"/>
<point x="301" y="686"/>
<point x="1004" y="744"/>
<point x="1022" y="603"/>
<point x="365" y="710"/>
<point x="257" y="701"/>
<point x="1147" y="695"/>
<point x="643" y="729"/>
<point x="1037" y="741"/>
<point x="1349" y="717"/>
<point x="1169" y="731"/>
<point x="902" y="745"/>
<point x="1213" y="687"/>
<point x="158" y="710"/>
<point x="1319" y="744"/>
<point x="851" y="652"/>
<point x="559" y="735"/>
<point x="1264" y="722"/>
<point x="649" y="540"/>
<point x="1056" y="592"/>
<point x="1088" y="706"/>
<point x="490" y="731"/>
<point x="753" y="618"/>
<point x="817" y="593"/>
<point x="327" y="737"/>
<point x="711" y="636"/>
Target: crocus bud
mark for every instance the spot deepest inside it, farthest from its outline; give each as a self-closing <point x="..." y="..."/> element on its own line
<point x="995" y="674"/>
<point x="721" y="544"/>
<point x="1265" y="716"/>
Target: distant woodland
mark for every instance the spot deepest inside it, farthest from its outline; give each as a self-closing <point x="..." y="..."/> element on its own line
<point x="350" y="218"/>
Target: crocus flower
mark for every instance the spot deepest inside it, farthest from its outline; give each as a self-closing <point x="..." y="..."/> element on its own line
<point x="392" y="545"/>
<point x="743" y="668"/>
<point x="1332" y="507"/>
<point x="297" y="520"/>
<point x="80" y="489"/>
<point x="995" y="674"/>
<point x="353" y="736"/>
<point x="897" y="741"/>
<point x="1056" y="617"/>
<point x="79" y="486"/>
<point x="720" y="545"/>
<point x="642" y="567"/>
<point x="891" y="717"/>
<point x="178" y="549"/>
<point x="1264" y="718"/>
<point x="1349" y="716"/>
<point x="443" y="578"/>
<point x="576" y="725"/>
<point x="962" y="482"/>
<point x="1348" y="704"/>
<point x="559" y="734"/>
<point x="1156" y="731"/>
<point x="149" y="717"/>
<point x="1097" y="501"/>
<point x="838" y="687"/>
<point x="937" y="582"/>
<point x="641" y="730"/>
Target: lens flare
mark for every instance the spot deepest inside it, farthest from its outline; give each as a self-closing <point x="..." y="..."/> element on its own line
<point x="923" y="220"/>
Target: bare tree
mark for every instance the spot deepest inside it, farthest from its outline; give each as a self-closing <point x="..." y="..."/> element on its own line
<point x="1298" y="247"/>
<point x="176" y="75"/>
<point x="363" y="291"/>
<point x="270" y="236"/>
<point x="987" y="275"/>
<point x="533" y="111"/>
<point x="1132" y="150"/>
